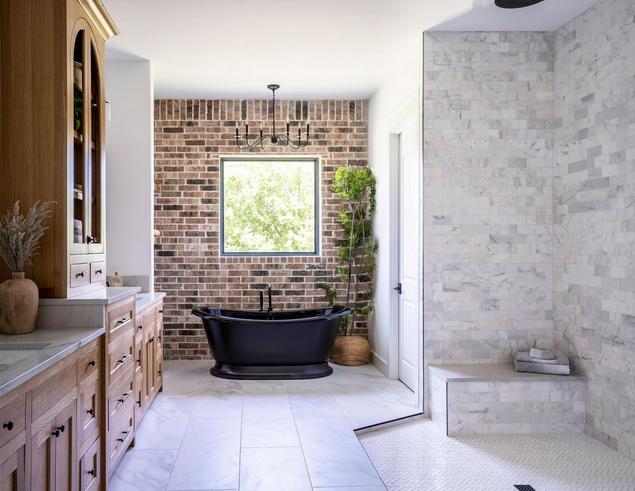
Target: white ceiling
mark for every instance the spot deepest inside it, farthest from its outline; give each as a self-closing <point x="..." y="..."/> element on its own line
<point x="314" y="49"/>
<point x="546" y="16"/>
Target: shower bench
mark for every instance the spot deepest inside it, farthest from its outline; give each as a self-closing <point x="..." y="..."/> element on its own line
<point x="495" y="399"/>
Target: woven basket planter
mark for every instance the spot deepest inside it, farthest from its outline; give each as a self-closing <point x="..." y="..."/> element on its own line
<point x="350" y="350"/>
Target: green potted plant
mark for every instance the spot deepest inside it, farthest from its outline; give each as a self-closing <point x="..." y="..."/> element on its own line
<point x="19" y="241"/>
<point x="355" y="186"/>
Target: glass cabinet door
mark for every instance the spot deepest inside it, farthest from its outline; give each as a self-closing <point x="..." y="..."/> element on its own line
<point x="95" y="156"/>
<point x="77" y="168"/>
<point x="86" y="168"/>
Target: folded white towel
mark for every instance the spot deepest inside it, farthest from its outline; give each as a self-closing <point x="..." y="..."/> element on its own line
<point x="542" y="354"/>
<point x="559" y="359"/>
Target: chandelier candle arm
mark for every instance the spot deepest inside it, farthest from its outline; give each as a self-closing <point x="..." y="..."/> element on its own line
<point x="272" y="137"/>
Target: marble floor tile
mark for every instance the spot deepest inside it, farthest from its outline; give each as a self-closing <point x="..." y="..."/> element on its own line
<point x="334" y="455"/>
<point x="269" y="430"/>
<point x="208" y="457"/>
<point x="356" y="488"/>
<point x="319" y="404"/>
<point x="163" y="425"/>
<point x="143" y="470"/>
<point x="273" y="469"/>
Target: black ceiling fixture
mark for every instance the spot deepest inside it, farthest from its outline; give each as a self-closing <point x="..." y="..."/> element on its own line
<point x="516" y="4"/>
<point x="273" y="137"/>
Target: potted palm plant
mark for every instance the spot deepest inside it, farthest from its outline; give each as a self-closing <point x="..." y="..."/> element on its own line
<point x="19" y="240"/>
<point x="355" y="186"/>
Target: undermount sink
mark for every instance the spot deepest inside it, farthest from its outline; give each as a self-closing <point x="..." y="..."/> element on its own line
<point x="11" y="353"/>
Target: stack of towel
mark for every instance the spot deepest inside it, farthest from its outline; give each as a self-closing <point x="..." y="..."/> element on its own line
<point x="542" y="361"/>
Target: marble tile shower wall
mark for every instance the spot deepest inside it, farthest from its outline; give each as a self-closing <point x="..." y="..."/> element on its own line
<point x="595" y="212"/>
<point x="190" y="136"/>
<point x="488" y="197"/>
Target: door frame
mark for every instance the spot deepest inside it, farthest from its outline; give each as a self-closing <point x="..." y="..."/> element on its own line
<point x="412" y="120"/>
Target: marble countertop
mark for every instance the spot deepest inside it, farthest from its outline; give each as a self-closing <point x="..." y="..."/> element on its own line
<point x="145" y="299"/>
<point x="105" y="296"/>
<point x="491" y="373"/>
<point x="30" y="354"/>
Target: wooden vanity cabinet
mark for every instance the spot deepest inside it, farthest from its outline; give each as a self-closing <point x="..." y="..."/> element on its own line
<point x="149" y="379"/>
<point x="53" y="139"/>
<point x="12" y="464"/>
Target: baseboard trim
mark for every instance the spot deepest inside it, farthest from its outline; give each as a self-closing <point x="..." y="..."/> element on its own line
<point x="380" y="363"/>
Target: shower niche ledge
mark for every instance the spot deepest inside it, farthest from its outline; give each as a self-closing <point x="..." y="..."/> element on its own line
<point x="495" y="399"/>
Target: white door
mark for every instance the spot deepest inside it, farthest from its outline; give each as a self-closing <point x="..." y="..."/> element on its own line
<point x="409" y="270"/>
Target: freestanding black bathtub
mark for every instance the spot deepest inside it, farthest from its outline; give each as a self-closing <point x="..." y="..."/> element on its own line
<point x="271" y="345"/>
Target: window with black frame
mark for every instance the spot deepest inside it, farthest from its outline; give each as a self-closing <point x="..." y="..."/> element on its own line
<point x="270" y="206"/>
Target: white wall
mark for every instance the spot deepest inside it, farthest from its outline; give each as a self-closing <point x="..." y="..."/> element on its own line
<point x="396" y="101"/>
<point x="130" y="168"/>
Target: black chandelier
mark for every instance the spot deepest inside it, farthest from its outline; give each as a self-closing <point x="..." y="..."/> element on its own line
<point x="273" y="137"/>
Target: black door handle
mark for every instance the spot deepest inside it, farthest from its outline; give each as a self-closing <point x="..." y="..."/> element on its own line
<point x="398" y="288"/>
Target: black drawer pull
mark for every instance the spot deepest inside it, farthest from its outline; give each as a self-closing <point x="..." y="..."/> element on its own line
<point x="92" y="363"/>
<point x="8" y="425"/>
<point x="79" y="275"/>
<point x="98" y="271"/>
<point x="122" y="359"/>
<point x="139" y="327"/>
<point x="58" y="430"/>
<point x="159" y="372"/>
<point x="124" y="396"/>
<point x="123" y="320"/>
<point x="161" y="311"/>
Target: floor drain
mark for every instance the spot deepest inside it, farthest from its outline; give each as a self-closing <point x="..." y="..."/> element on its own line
<point x="524" y="487"/>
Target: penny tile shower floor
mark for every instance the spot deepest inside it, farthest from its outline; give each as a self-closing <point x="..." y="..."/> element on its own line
<point x="205" y="433"/>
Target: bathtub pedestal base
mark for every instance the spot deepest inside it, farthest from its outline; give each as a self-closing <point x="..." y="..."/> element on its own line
<point x="271" y="372"/>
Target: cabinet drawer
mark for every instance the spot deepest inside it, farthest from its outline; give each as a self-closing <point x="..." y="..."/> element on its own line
<point x="121" y="353"/>
<point x="97" y="271"/>
<point x="89" y="362"/>
<point x="121" y="317"/>
<point x="59" y="384"/>
<point x="89" y="413"/>
<point x="89" y="468"/>
<point x="121" y="394"/>
<point x="120" y="435"/>
<point x="12" y="418"/>
<point x="79" y="275"/>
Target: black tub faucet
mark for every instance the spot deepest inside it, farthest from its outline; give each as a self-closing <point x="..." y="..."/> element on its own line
<point x="269" y="295"/>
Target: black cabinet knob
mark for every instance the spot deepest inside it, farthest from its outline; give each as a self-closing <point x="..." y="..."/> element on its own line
<point x="91" y="472"/>
<point x="56" y="433"/>
<point x="139" y="327"/>
<point x="8" y="425"/>
<point x="92" y="363"/>
<point x="61" y="428"/>
<point x="90" y="411"/>
<point x="98" y="271"/>
<point x="79" y="275"/>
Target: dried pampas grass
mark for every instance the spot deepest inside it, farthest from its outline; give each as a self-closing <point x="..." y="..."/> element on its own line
<point x="20" y="235"/>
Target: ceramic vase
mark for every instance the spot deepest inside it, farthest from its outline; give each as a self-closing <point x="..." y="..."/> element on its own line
<point x="18" y="305"/>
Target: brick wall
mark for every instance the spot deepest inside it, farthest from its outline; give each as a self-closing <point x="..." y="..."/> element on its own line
<point x="190" y="137"/>
<point x="595" y="212"/>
